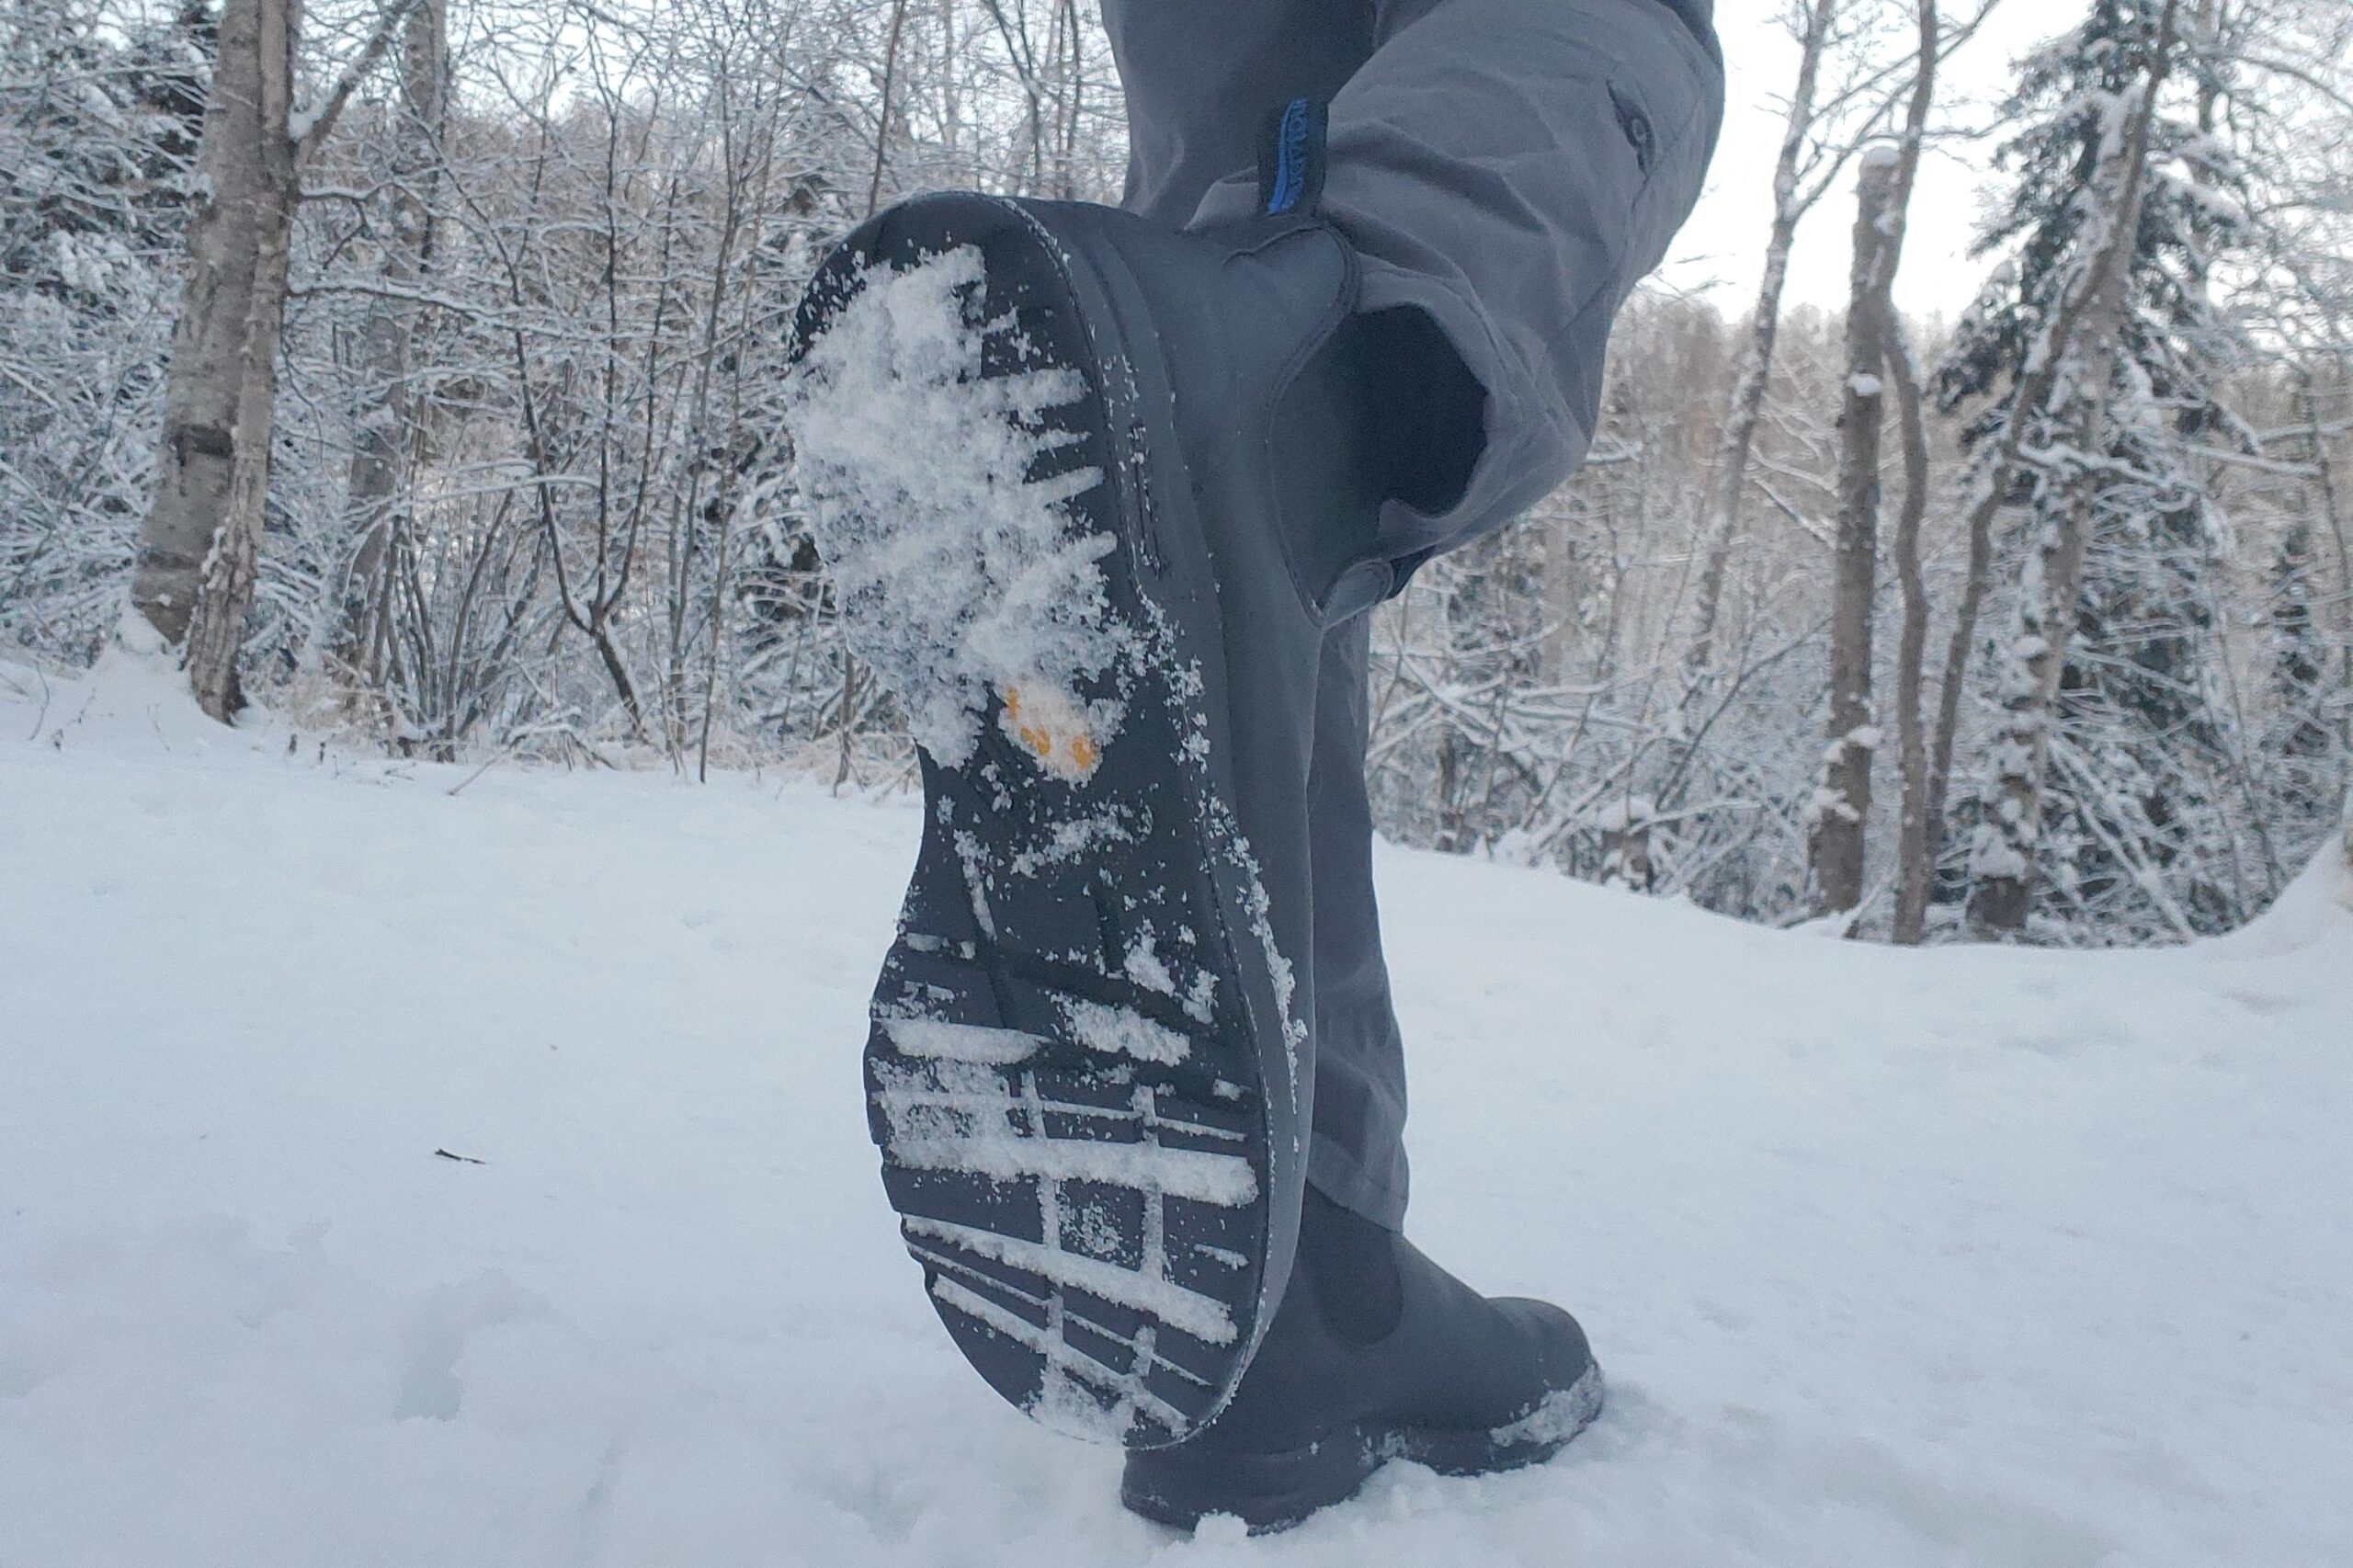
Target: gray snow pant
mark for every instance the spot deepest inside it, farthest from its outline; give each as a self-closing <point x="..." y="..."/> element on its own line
<point x="1511" y="167"/>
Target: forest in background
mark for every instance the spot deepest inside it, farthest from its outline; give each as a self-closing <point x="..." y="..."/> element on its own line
<point x="428" y="392"/>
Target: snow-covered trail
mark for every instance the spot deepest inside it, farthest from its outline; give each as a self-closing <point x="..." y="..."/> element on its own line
<point x="1967" y="1257"/>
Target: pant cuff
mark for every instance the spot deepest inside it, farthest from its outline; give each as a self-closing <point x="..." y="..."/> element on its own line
<point x="1374" y="1191"/>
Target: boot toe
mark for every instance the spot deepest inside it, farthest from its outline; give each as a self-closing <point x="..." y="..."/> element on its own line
<point x="1569" y="1378"/>
<point x="1557" y="1339"/>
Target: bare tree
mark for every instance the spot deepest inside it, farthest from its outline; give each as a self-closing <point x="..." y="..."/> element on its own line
<point x="1918" y="837"/>
<point x="1842" y="804"/>
<point x="1826" y="124"/>
<point x="1917" y="834"/>
<point x="199" y="552"/>
<point x="388" y="422"/>
<point x="1795" y="195"/>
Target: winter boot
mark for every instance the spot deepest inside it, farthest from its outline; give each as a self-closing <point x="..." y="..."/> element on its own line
<point x="1375" y="1354"/>
<point x="1091" y="489"/>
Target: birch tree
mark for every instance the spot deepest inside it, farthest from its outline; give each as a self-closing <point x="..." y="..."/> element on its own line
<point x="199" y="546"/>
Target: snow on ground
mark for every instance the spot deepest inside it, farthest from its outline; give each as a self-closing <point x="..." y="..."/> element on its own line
<point x="1961" y="1258"/>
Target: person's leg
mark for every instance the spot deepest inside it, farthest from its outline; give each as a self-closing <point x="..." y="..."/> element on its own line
<point x="1089" y="1063"/>
<point x="1200" y="85"/>
<point x="1510" y="167"/>
<point x="1144" y="745"/>
<point x="1200" y="78"/>
<point x="1507" y="169"/>
<point x="1357" y="1155"/>
<point x="1513" y="168"/>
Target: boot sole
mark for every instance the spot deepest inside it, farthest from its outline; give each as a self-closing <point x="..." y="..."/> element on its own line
<point x="1081" y="1072"/>
<point x="1276" y="1492"/>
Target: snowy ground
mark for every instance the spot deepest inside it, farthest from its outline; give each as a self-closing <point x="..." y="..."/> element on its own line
<point x="1967" y="1257"/>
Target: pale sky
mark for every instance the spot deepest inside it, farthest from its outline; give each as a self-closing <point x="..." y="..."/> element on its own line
<point x="1725" y="241"/>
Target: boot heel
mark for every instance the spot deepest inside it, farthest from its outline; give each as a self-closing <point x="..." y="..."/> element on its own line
<point x="1265" y="1491"/>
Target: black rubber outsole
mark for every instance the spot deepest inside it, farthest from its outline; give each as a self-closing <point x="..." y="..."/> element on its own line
<point x="1278" y="1491"/>
<point x="1071" y="1058"/>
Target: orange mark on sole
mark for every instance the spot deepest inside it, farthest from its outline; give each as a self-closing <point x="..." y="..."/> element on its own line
<point x="1054" y="732"/>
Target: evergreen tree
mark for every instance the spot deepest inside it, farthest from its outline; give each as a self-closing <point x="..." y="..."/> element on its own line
<point x="2136" y="742"/>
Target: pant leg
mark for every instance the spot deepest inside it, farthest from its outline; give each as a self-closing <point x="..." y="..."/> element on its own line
<point x="1200" y="77"/>
<point x="1356" y="1156"/>
<point x="1514" y="167"/>
<point x="1199" y="81"/>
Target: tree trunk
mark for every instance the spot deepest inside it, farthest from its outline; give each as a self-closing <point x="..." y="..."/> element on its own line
<point x="1562" y="592"/>
<point x="387" y="428"/>
<point x="202" y="535"/>
<point x="2002" y="860"/>
<point x="217" y="634"/>
<point x="1842" y="804"/>
<point x="1917" y="836"/>
<point x="1995" y="477"/>
<point x="1728" y="477"/>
